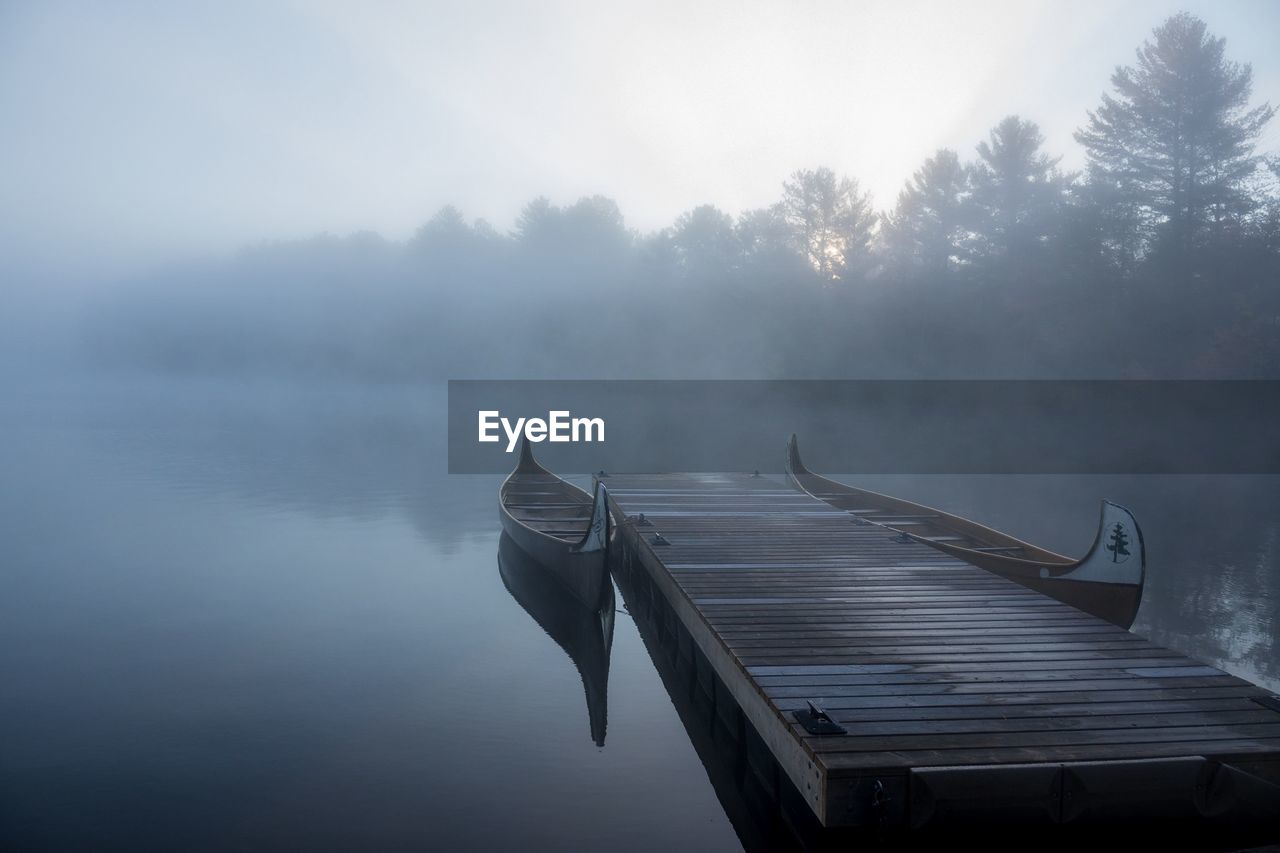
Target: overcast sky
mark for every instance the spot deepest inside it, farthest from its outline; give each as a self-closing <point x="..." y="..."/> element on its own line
<point x="136" y="132"/>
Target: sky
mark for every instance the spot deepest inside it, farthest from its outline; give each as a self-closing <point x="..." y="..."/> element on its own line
<point x="137" y="133"/>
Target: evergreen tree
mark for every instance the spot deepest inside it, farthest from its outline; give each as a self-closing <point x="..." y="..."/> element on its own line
<point x="831" y="220"/>
<point x="538" y="223"/>
<point x="763" y="233"/>
<point x="705" y="242"/>
<point x="1017" y="193"/>
<point x="767" y="250"/>
<point x="1175" y="142"/>
<point x="926" y="233"/>
<point x="447" y="230"/>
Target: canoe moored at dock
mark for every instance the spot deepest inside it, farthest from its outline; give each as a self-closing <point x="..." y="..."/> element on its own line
<point x="1107" y="582"/>
<point x="559" y="525"/>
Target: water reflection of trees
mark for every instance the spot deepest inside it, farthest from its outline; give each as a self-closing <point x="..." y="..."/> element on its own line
<point x="1219" y="601"/>
<point x="342" y="454"/>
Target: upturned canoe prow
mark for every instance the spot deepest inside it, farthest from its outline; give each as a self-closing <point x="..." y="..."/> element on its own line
<point x="527" y="464"/>
<point x="1107" y="582"/>
<point x="597" y="536"/>
<point x="1118" y="554"/>
<point x="794" y="465"/>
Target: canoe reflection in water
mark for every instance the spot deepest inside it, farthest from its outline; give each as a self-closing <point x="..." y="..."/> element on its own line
<point x="585" y="635"/>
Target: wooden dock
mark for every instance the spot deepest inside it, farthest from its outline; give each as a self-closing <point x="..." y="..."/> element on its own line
<point x="961" y="693"/>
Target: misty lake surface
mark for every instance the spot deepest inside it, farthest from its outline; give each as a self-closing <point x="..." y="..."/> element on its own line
<point x="251" y="616"/>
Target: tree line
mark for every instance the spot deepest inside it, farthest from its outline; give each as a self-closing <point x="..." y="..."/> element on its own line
<point x="1160" y="258"/>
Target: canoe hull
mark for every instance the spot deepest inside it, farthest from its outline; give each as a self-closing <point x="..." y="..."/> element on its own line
<point x="1107" y="582"/>
<point x="582" y="573"/>
<point x="560" y="526"/>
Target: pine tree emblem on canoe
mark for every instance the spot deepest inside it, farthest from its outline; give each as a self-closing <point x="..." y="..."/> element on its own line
<point x="1118" y="543"/>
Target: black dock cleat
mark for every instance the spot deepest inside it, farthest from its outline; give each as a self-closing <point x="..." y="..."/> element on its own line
<point x="817" y="721"/>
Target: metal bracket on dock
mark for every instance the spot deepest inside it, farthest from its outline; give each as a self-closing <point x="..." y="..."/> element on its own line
<point x="816" y="721"/>
<point x="641" y="521"/>
<point x="659" y="539"/>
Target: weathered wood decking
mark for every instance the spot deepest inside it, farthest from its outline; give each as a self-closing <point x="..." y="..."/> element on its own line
<point x="952" y="683"/>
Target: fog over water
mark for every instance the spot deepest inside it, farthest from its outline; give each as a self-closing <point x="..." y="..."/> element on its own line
<point x="266" y="613"/>
<point x="244" y="247"/>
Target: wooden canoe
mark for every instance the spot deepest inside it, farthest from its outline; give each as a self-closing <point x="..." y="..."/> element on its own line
<point x="559" y="525"/>
<point x="1106" y="582"/>
<point x="586" y="635"/>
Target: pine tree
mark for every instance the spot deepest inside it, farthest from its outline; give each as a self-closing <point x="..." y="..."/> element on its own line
<point x="1176" y="139"/>
<point x="1118" y="543"/>
<point x="926" y="234"/>
<point x="705" y="242"/>
<point x="1017" y="196"/>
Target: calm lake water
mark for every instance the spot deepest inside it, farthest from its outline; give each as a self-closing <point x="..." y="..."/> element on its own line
<point x="254" y="616"/>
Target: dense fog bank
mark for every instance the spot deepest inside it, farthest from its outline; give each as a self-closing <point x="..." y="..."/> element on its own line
<point x="1160" y="259"/>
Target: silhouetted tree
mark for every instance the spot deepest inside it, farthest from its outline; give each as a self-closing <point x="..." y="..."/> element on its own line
<point x="926" y="233"/>
<point x="705" y="242"/>
<point x="1170" y="164"/>
<point x="1175" y="141"/>
<point x="591" y="224"/>
<point x="658" y="256"/>
<point x="588" y="240"/>
<point x="1103" y="225"/>
<point x="830" y="219"/>
<point x="1267" y="224"/>
<point x="445" y="231"/>
<point x="539" y="223"/>
<point x="764" y="237"/>
<point x="1017" y="193"/>
<point x="448" y="245"/>
<point x="595" y="221"/>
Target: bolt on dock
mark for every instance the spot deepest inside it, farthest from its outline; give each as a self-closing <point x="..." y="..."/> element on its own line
<point x="898" y="686"/>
